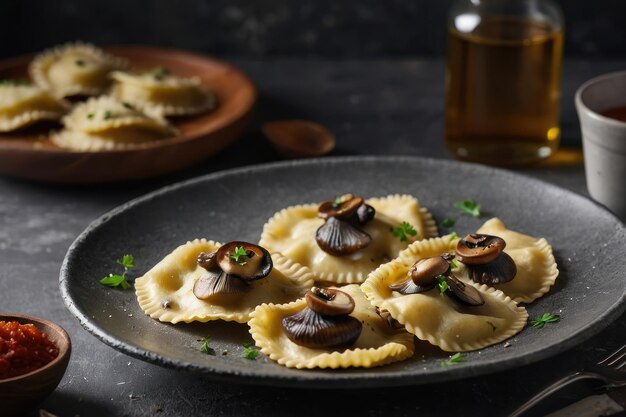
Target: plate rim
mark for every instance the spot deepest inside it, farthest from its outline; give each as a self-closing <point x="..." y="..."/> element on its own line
<point x="334" y="380"/>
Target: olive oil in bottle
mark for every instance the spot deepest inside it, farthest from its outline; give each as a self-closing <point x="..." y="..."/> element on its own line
<point x="503" y="87"/>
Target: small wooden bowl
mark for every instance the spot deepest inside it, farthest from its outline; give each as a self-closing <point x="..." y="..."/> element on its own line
<point x="30" y="154"/>
<point x="22" y="393"/>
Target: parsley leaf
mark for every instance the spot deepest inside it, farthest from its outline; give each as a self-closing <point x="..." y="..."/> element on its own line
<point x="541" y="321"/>
<point x="160" y="73"/>
<point x="453" y="236"/>
<point x="403" y="230"/>
<point x="249" y="352"/>
<point x="453" y="360"/>
<point x="90" y="115"/>
<point x="80" y="62"/>
<point x="127" y="261"/>
<point x="12" y="82"/>
<point x="337" y="201"/>
<point x="127" y="105"/>
<point x="239" y="255"/>
<point x="453" y="264"/>
<point x="106" y="115"/>
<point x="448" y="222"/>
<point x="442" y="284"/>
<point x="470" y="207"/>
<point x="116" y="280"/>
<point x="205" y="348"/>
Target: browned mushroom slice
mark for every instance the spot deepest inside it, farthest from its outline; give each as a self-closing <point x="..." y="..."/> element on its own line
<point x="465" y="294"/>
<point x="329" y="302"/>
<point x="423" y="275"/>
<point x="325" y="323"/>
<point x="365" y="213"/>
<point x="208" y="261"/>
<point x="391" y="322"/>
<point x="477" y="249"/>
<point x="342" y="207"/>
<point x="245" y="260"/>
<point x="213" y="283"/>
<point x="337" y="237"/>
<point x="500" y="270"/>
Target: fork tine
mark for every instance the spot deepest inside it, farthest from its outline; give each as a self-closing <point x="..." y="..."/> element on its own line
<point x="614" y="358"/>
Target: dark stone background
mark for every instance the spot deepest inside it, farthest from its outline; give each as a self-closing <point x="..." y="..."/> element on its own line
<point x="269" y="28"/>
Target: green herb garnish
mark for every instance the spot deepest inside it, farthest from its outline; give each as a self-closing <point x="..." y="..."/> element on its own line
<point x="205" y="348"/>
<point x="442" y="284"/>
<point x="448" y="222"/>
<point x="90" y="116"/>
<point x="159" y="73"/>
<point x="453" y="264"/>
<point x="127" y="105"/>
<point x="453" y="360"/>
<point x="116" y="280"/>
<point x="240" y="255"/>
<point x="403" y="230"/>
<point x="249" y="352"/>
<point x="470" y="207"/>
<point x="453" y="236"/>
<point x="10" y="82"/>
<point x="106" y="115"/>
<point x="80" y="62"/>
<point x="337" y="201"/>
<point x="539" y="322"/>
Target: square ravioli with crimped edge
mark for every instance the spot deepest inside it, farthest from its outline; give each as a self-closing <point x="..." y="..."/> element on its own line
<point x="435" y="317"/>
<point x="292" y="232"/>
<point x="536" y="267"/>
<point x="166" y="292"/>
<point x="377" y="344"/>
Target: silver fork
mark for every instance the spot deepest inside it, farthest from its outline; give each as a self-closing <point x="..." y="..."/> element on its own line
<point x="608" y="374"/>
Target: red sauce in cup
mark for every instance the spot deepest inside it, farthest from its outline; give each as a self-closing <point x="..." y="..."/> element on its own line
<point x="23" y="348"/>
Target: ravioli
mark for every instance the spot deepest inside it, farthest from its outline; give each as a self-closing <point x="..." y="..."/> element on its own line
<point x="536" y="267"/>
<point x="23" y="105"/>
<point x="104" y="123"/>
<point x="75" y="69"/>
<point x="170" y="284"/>
<point x="291" y="232"/>
<point x="160" y="92"/>
<point x="434" y="317"/>
<point x="377" y="344"/>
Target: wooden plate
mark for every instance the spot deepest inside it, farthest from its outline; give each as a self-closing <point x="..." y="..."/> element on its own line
<point x="30" y="154"/>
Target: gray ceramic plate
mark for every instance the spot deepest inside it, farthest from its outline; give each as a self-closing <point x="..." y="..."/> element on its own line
<point x="588" y="243"/>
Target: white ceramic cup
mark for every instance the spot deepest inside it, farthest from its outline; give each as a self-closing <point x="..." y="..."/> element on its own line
<point x="604" y="140"/>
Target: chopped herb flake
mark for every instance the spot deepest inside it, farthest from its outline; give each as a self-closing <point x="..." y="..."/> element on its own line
<point x="249" y="352"/>
<point x="453" y="360"/>
<point x="403" y="230"/>
<point x="541" y="321"/>
<point x="80" y="62"/>
<point x="127" y="105"/>
<point x="106" y="115"/>
<point x="442" y="284"/>
<point x="160" y="73"/>
<point x="205" y="348"/>
<point x="470" y="207"/>
<point x="114" y="280"/>
<point x="453" y="264"/>
<point x="453" y="236"/>
<point x="448" y="222"/>
<point x="240" y="255"/>
<point x="337" y="201"/>
<point x="90" y="115"/>
<point x="12" y="82"/>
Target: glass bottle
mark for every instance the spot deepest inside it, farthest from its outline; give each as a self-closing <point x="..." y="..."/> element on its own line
<point x="503" y="80"/>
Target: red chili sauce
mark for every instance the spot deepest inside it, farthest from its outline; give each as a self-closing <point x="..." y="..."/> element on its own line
<point x="23" y="348"/>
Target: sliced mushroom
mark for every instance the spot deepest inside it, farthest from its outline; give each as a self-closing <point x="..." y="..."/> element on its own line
<point x="337" y="237"/>
<point x="325" y="322"/>
<point x="500" y="270"/>
<point x="365" y="213"/>
<point x="391" y="322"/>
<point x="208" y="261"/>
<point x="422" y="276"/>
<point x="466" y="294"/>
<point x="477" y="249"/>
<point x="245" y="260"/>
<point x="214" y="283"/>
<point x="341" y="207"/>
<point x="329" y="302"/>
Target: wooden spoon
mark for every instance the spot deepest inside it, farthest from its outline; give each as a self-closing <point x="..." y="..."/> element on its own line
<point x="299" y="138"/>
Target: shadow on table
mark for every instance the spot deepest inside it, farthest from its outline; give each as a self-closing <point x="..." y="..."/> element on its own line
<point x="63" y="404"/>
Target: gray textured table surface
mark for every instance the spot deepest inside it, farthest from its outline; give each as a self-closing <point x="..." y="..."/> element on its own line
<point x="373" y="107"/>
